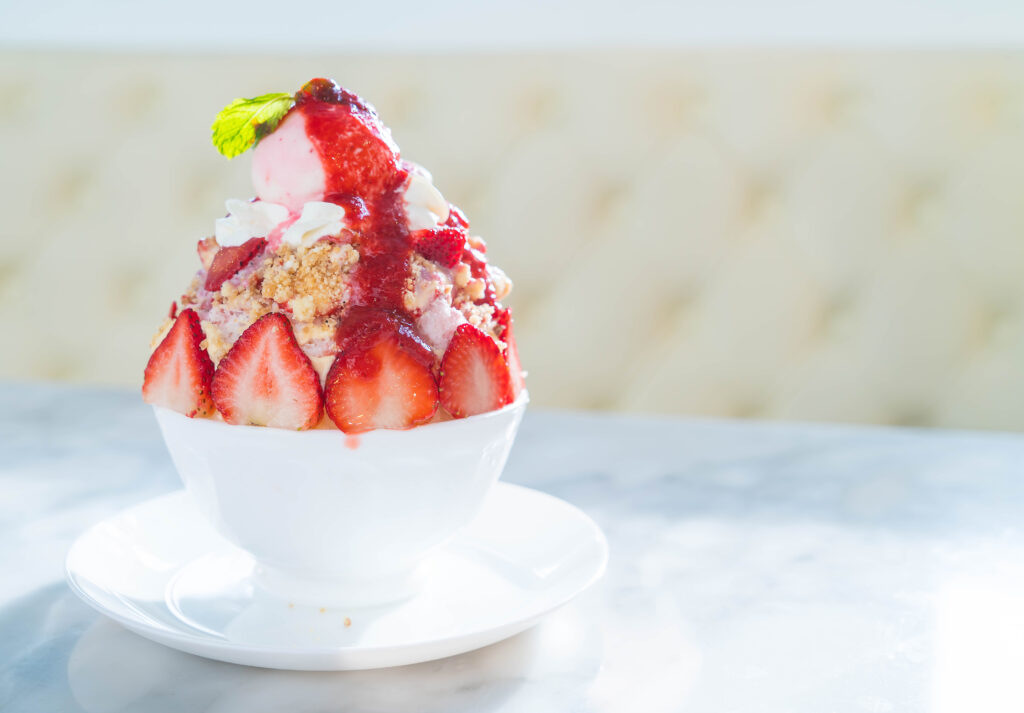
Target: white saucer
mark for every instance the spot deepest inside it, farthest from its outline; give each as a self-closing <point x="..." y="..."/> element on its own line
<point x="161" y="571"/>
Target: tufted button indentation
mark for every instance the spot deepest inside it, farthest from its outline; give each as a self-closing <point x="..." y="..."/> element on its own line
<point x="14" y="99"/>
<point x="135" y="101"/>
<point x="911" y="416"/>
<point x="748" y="408"/>
<point x="125" y="288"/>
<point x="538" y="106"/>
<point x="8" y="269"/>
<point x="833" y="102"/>
<point x="608" y="197"/>
<point x="917" y="201"/>
<point x="759" y="196"/>
<point x="992" y="325"/>
<point x="68" y="186"/>
<point x="833" y="316"/>
<point x="675" y="107"/>
<point x="988" y="106"/>
<point x="672" y="314"/>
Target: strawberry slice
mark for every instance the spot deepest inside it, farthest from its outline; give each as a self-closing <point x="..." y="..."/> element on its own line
<point x="228" y="261"/>
<point x="515" y="368"/>
<point x="267" y="380"/>
<point x="474" y="374"/>
<point x="179" y="371"/>
<point x="207" y="249"/>
<point x="359" y="157"/>
<point x="442" y="245"/>
<point x="382" y="377"/>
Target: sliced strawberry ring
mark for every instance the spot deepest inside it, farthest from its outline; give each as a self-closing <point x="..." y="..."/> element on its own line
<point x="475" y="377"/>
<point x="382" y="376"/>
<point x="179" y="373"/>
<point x="267" y="380"/>
<point x="515" y="368"/>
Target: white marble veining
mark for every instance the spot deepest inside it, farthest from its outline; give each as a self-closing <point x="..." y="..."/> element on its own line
<point x="754" y="567"/>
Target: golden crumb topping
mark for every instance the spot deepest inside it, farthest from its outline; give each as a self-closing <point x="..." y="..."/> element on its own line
<point x="310" y="279"/>
<point x="425" y="283"/>
<point x="480" y="316"/>
<point x="161" y="333"/>
<point x="317" y="330"/>
<point x="216" y="343"/>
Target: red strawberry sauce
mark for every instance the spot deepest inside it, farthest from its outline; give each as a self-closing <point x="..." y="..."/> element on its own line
<point x="365" y="175"/>
<point x="478" y="268"/>
<point x="385" y="250"/>
<point x="356" y="150"/>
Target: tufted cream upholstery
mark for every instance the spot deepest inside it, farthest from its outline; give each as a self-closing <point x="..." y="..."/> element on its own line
<point x="773" y="234"/>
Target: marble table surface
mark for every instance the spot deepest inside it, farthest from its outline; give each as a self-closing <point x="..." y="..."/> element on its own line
<point x="754" y="567"/>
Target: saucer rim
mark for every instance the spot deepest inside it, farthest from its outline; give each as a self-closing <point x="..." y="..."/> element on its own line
<point x="154" y="631"/>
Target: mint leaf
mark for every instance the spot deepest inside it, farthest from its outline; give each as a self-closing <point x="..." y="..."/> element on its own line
<point x="243" y="122"/>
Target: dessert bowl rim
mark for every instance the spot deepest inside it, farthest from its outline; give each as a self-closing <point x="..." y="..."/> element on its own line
<point x="520" y="402"/>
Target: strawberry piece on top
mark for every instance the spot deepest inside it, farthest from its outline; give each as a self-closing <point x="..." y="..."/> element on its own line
<point x="442" y="245"/>
<point x="228" y="261"/>
<point x="207" y="249"/>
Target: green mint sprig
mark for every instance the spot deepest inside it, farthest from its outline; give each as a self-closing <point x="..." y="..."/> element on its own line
<point x="244" y="122"/>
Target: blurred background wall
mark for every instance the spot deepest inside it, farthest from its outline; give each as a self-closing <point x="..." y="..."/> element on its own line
<point x="693" y="227"/>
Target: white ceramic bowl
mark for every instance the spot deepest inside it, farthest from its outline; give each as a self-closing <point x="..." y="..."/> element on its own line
<point x="330" y="523"/>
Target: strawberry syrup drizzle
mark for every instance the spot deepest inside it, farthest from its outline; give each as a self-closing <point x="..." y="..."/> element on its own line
<point x="478" y="269"/>
<point x="356" y="150"/>
<point x="365" y="176"/>
<point x="385" y="252"/>
<point x="275" y="235"/>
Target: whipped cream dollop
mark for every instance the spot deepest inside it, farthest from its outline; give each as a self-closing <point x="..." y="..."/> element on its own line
<point x="259" y="219"/>
<point x="318" y="219"/>
<point x="286" y="167"/>
<point x="248" y="220"/>
<point x="425" y="207"/>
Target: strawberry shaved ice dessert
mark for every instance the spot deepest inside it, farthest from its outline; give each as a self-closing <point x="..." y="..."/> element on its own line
<point x="348" y="293"/>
